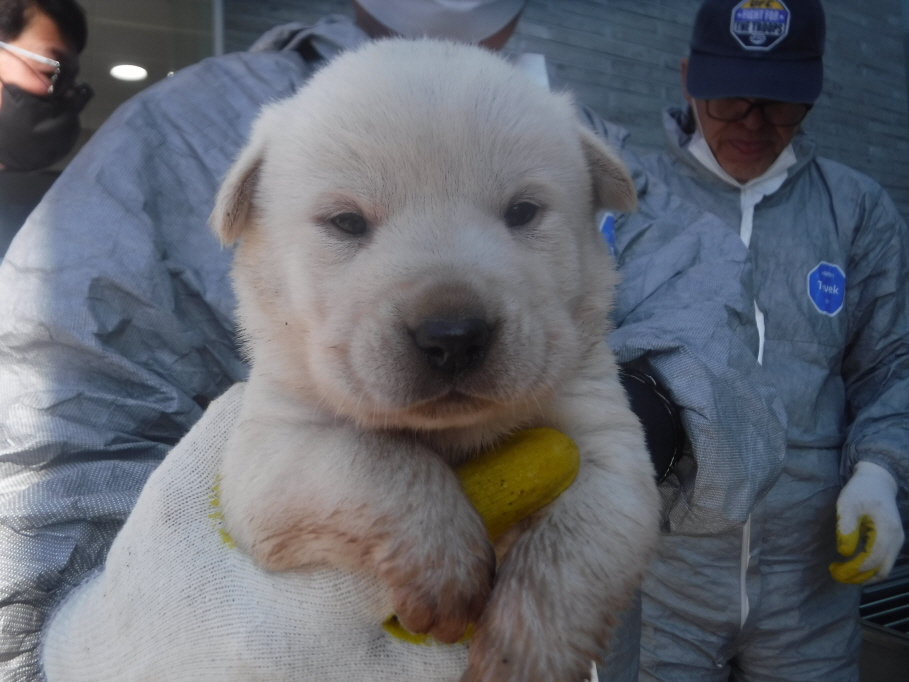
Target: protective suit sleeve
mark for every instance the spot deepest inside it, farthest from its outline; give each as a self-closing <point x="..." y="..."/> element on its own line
<point x="876" y="360"/>
<point x="116" y="328"/>
<point x="685" y="308"/>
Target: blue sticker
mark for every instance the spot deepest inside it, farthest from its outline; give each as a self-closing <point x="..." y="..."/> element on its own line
<point x="759" y="24"/>
<point x="607" y="229"/>
<point x="827" y="288"/>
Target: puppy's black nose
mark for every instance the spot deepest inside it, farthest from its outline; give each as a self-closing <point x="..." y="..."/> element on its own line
<point x="453" y="345"/>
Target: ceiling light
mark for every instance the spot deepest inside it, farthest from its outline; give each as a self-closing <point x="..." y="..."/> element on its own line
<point x="129" y="72"/>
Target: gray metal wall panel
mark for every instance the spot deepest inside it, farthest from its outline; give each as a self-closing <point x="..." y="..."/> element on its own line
<point x="621" y="57"/>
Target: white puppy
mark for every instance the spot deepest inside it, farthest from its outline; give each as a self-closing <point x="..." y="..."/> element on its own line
<point x="419" y="274"/>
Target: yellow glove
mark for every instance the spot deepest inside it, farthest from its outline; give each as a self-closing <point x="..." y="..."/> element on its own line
<point x="867" y="517"/>
<point x="510" y="482"/>
<point x="846" y="544"/>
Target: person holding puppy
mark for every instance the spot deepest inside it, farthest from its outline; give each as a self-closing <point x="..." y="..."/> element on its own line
<point x="830" y="254"/>
<point x="114" y="345"/>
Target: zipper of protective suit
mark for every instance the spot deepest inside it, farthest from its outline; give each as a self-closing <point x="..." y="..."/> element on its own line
<point x="749" y="200"/>
<point x="750" y="194"/>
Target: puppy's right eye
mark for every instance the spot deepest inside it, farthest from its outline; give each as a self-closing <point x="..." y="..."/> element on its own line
<point x="520" y="213"/>
<point x="351" y="223"/>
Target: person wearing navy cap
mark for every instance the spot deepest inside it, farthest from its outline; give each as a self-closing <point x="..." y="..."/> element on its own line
<point x="778" y="599"/>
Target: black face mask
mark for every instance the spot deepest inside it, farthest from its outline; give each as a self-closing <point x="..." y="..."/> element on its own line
<point x="36" y="132"/>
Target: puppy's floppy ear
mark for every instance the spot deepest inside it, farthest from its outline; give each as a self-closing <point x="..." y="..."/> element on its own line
<point x="612" y="185"/>
<point x="235" y="198"/>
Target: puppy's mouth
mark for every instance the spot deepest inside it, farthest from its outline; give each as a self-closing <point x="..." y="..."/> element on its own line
<point x="453" y="400"/>
<point x="453" y="408"/>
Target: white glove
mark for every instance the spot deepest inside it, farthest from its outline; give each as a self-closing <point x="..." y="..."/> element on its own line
<point x="866" y="510"/>
<point x="175" y="601"/>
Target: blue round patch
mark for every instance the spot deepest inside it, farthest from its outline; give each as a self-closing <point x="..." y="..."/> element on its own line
<point x="759" y="24"/>
<point x="827" y="288"/>
<point x="607" y="229"/>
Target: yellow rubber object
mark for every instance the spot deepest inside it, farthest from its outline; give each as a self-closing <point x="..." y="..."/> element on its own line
<point x="850" y="571"/>
<point x="510" y="482"/>
<point x="519" y="477"/>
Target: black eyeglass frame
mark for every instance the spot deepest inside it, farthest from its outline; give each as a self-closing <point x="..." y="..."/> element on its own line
<point x="757" y="104"/>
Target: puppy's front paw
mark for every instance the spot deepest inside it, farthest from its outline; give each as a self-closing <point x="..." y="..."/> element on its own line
<point x="547" y="619"/>
<point x="515" y="645"/>
<point x="440" y="587"/>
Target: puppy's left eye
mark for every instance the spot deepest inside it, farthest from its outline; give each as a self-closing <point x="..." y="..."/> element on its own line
<point x="520" y="213"/>
<point x="352" y="223"/>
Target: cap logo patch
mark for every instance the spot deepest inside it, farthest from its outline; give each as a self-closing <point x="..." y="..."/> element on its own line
<point x="827" y="288"/>
<point x="759" y="24"/>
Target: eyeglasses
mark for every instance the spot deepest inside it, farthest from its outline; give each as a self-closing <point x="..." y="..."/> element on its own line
<point x="775" y="113"/>
<point x="52" y="77"/>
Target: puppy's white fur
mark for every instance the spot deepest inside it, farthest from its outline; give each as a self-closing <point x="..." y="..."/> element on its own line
<point x="350" y="429"/>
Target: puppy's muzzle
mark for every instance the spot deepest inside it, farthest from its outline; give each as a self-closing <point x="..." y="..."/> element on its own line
<point x="453" y="346"/>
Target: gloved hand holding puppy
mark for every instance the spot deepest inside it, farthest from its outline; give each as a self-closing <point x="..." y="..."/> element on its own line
<point x="178" y="600"/>
<point x="175" y="582"/>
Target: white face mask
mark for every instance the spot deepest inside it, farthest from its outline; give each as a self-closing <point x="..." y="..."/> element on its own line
<point x="700" y="150"/>
<point x="468" y="21"/>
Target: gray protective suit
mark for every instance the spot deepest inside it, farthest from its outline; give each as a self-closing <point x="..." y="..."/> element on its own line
<point x="830" y="254"/>
<point x="117" y="329"/>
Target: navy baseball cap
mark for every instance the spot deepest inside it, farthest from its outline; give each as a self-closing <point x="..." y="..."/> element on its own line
<point x="770" y="49"/>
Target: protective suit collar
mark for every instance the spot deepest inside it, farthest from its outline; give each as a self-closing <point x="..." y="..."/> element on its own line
<point x="769" y="181"/>
<point x="680" y="127"/>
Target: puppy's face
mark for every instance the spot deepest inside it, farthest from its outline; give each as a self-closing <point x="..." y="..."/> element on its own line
<point x="418" y="244"/>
